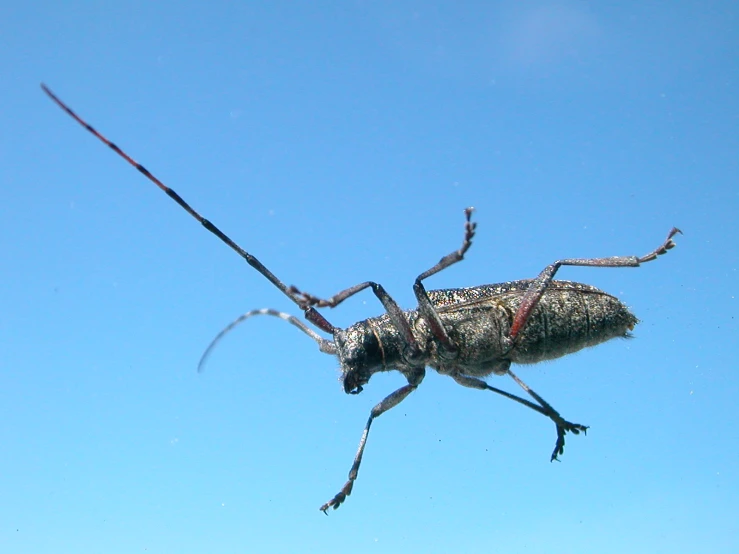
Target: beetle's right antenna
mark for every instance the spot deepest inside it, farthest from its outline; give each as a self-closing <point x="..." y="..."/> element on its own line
<point x="251" y="260"/>
<point x="326" y="346"/>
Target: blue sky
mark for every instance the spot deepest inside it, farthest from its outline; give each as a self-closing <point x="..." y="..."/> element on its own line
<point x="340" y="142"/>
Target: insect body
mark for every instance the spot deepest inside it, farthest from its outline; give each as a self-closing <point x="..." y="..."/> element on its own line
<point x="466" y="333"/>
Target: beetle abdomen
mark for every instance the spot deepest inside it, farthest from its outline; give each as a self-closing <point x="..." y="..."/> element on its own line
<point x="569" y="318"/>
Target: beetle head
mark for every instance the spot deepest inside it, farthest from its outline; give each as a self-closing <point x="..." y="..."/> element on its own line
<point x="360" y="354"/>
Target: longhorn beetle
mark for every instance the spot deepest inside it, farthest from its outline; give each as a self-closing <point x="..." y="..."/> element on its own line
<point x="466" y="333"/>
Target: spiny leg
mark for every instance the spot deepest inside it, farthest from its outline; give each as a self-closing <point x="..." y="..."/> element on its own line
<point x="540" y="284"/>
<point x="563" y="426"/>
<point x="388" y="402"/>
<point x="251" y="260"/>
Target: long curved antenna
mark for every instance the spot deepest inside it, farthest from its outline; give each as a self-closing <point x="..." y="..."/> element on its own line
<point x="251" y="260"/>
<point x="326" y="346"/>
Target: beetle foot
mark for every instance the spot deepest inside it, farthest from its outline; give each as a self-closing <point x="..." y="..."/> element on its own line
<point x="562" y="428"/>
<point x="338" y="500"/>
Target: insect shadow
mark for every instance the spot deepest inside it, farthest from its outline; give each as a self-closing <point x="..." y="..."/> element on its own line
<point x="465" y="333"/>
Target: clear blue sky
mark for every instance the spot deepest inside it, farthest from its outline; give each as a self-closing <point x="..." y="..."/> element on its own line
<point x="340" y="142"/>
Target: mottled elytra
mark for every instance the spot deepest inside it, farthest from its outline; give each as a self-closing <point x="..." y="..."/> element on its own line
<point x="466" y="333"/>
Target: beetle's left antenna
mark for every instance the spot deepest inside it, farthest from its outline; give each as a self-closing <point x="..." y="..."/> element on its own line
<point x="326" y="346"/>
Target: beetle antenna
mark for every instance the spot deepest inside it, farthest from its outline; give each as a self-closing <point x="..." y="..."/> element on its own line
<point x="326" y="346"/>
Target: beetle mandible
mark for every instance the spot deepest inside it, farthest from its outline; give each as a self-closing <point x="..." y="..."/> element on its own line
<point x="466" y="333"/>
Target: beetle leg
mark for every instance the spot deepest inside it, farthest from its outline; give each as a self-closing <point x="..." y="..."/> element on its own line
<point x="425" y="307"/>
<point x="540" y="284"/>
<point x="563" y="426"/>
<point x="390" y="401"/>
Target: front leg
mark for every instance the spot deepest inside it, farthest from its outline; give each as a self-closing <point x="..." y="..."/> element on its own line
<point x="308" y="301"/>
<point x="390" y="401"/>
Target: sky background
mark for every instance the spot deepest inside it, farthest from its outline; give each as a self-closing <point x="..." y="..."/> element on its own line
<point x="340" y="142"/>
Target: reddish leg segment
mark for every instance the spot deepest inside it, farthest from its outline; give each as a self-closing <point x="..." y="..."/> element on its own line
<point x="540" y="284"/>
